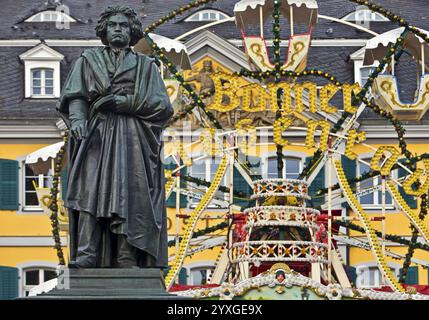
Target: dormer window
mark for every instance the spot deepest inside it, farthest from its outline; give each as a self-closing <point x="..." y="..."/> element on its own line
<point x="50" y="16"/>
<point x="207" y="15"/>
<point x="42" y="72"/>
<point x="364" y="15"/>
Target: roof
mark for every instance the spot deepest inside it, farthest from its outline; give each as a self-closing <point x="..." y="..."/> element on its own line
<point x="335" y="60"/>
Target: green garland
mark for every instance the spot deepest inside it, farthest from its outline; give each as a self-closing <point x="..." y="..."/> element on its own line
<point x="238" y="194"/>
<point x="54" y="201"/>
<point x="277" y="70"/>
<point x="390" y="237"/>
<point x="180" y="115"/>
<point x="200" y="233"/>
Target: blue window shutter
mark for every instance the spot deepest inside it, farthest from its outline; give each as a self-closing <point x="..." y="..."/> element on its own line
<point x="171" y="201"/>
<point x="412" y="275"/>
<point x="350" y="170"/>
<point x="183" y="277"/>
<point x="351" y="274"/>
<point x="317" y="184"/>
<point x="412" y="203"/>
<point x="64" y="182"/>
<point x="240" y="183"/>
<point x="8" y="283"/>
<point x="9" y="184"/>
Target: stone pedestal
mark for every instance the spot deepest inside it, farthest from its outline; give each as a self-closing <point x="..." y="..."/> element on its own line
<point x="90" y="284"/>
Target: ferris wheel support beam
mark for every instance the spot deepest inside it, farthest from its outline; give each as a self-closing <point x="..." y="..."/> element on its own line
<point x="208" y="25"/>
<point x="337" y="143"/>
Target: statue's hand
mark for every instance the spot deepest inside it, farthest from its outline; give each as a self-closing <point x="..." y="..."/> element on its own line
<point x="79" y="129"/>
<point x="122" y="104"/>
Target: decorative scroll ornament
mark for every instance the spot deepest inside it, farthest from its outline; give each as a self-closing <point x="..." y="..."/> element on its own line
<point x="280" y="188"/>
<point x="387" y="96"/>
<point x="296" y="60"/>
<point x="172" y="86"/>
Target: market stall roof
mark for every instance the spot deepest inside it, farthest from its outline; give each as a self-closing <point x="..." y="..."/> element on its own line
<point x="247" y="11"/>
<point x="175" y="51"/>
<point x="38" y="160"/>
<point x="377" y="47"/>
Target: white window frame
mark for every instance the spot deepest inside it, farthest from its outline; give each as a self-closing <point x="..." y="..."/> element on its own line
<point x="42" y="83"/>
<point x="31" y="265"/>
<point x="42" y="57"/>
<point x="375" y="204"/>
<point x="22" y="207"/>
<point x="41" y="270"/>
<point x="198" y="265"/>
<point x="198" y="16"/>
<point x="294" y="155"/>
<point x="363" y="276"/>
<point x="46" y="16"/>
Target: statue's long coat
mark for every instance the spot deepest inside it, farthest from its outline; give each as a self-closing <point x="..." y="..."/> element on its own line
<point x="116" y="172"/>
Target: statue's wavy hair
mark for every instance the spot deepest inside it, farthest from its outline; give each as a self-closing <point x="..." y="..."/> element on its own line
<point x="135" y="24"/>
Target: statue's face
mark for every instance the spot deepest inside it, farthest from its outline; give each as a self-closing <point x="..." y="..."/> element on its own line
<point x="118" y="31"/>
<point x="207" y="66"/>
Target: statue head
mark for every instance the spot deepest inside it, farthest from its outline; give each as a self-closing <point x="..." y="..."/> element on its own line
<point x="207" y="66"/>
<point x="119" y="27"/>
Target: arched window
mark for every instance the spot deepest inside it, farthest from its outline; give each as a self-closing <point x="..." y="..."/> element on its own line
<point x="207" y="15"/>
<point x="50" y="16"/>
<point x="35" y="276"/>
<point x="42" y="82"/>
<point x="366" y="15"/>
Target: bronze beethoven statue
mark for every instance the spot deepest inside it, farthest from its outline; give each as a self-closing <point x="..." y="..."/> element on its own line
<point x="116" y="106"/>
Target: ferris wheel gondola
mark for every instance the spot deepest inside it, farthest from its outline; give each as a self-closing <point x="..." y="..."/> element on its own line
<point x="256" y="12"/>
<point x="385" y="86"/>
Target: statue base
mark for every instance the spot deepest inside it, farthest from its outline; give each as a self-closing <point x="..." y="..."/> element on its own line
<point x="96" y="284"/>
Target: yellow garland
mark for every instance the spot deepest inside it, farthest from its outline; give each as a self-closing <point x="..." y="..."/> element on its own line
<point x="371" y="234"/>
<point x="326" y="94"/>
<point x="353" y="138"/>
<point x="312" y="89"/>
<point x="227" y="89"/>
<point x="210" y="146"/>
<point x="281" y="125"/>
<point x="375" y="161"/>
<point x="252" y="102"/>
<point x="417" y="175"/>
<point x="179" y="149"/>
<point x="414" y="217"/>
<point x="309" y="140"/>
<point x="348" y="90"/>
<point x="192" y="220"/>
<point x="245" y="127"/>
